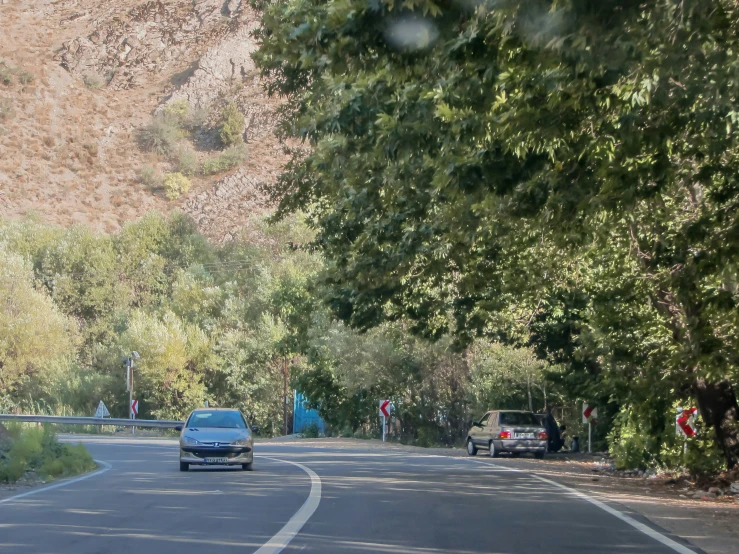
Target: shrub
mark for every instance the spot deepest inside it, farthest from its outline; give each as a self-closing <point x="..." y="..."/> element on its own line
<point x="150" y="176"/>
<point x="176" y="184"/>
<point x="311" y="431"/>
<point x="231" y="125"/>
<point x="178" y="110"/>
<point x="6" y="75"/>
<point x="25" y="77"/>
<point x="186" y="160"/>
<point x="161" y="135"/>
<point x="92" y="81"/>
<point x="228" y="159"/>
<point x="38" y="450"/>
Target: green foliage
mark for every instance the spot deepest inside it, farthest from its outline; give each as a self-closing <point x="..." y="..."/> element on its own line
<point x="231" y="125"/>
<point x="150" y="176"/>
<point x="556" y="175"/>
<point x="35" y="337"/>
<point x="311" y="431"/>
<point x="38" y="450"/>
<point x="175" y="184"/>
<point x="6" y="75"/>
<point x="231" y="157"/>
<point x="162" y="135"/>
<point x="93" y="81"/>
<point x="186" y="161"/>
<point x="177" y="111"/>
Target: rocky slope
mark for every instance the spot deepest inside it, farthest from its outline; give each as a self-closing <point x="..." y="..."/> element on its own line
<point x="80" y="78"/>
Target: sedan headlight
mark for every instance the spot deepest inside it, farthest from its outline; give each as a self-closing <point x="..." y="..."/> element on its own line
<point x="244" y="441"/>
<point x="189" y="440"/>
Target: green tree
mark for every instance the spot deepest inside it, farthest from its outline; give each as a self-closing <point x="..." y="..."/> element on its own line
<point x="36" y="339"/>
<point x="436" y="167"/>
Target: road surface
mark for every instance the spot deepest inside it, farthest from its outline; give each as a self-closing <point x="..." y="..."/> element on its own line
<point x="356" y="502"/>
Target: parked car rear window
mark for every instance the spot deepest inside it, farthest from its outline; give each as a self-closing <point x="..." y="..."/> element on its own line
<point x="517" y="418"/>
<point x="227" y="420"/>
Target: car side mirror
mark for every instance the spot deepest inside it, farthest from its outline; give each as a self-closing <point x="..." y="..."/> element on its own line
<point x="178" y="428"/>
<point x="255" y="428"/>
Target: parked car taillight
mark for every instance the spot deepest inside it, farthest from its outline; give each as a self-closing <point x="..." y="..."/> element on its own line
<point x="543" y="435"/>
<point x="505" y="434"/>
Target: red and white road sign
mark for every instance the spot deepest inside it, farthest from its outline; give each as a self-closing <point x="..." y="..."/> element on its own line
<point x="589" y="413"/>
<point x="685" y="421"/>
<point x="135" y="407"/>
<point x="385" y="407"/>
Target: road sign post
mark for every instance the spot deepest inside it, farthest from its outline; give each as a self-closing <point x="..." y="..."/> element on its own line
<point x="589" y="416"/>
<point x="385" y="409"/>
<point x="685" y="425"/>
<point x="134" y="406"/>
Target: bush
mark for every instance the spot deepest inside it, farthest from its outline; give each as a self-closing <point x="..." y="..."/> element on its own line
<point x="176" y="184"/>
<point x="186" y="160"/>
<point x="161" y="135"/>
<point x="6" y="75"/>
<point x="25" y="77"/>
<point x="311" y="431"/>
<point x="38" y="450"/>
<point x="178" y="111"/>
<point x="150" y="176"/>
<point x="228" y="159"/>
<point x="231" y="125"/>
<point x="92" y="81"/>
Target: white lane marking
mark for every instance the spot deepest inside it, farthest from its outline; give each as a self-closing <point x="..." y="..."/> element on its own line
<point x="283" y="537"/>
<point x="106" y="467"/>
<point x="652" y="533"/>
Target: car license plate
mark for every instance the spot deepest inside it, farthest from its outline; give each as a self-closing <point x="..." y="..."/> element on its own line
<point x="523" y="436"/>
<point x="216" y="460"/>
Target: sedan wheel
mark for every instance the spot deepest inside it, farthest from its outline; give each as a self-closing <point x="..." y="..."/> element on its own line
<point x="471" y="448"/>
<point x="248" y="467"/>
<point x="493" y="451"/>
<point x="184" y="466"/>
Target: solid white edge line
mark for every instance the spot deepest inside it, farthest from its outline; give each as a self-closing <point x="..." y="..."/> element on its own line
<point x="652" y="533"/>
<point x="106" y="467"/>
<point x="283" y="537"/>
<point x="656" y="535"/>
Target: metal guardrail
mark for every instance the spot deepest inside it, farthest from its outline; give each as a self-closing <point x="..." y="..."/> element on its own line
<point x="73" y="420"/>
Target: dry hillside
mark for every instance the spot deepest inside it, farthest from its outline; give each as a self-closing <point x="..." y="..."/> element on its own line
<point x="79" y="79"/>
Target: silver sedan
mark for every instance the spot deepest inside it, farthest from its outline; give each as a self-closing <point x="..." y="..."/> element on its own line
<point x="216" y="436"/>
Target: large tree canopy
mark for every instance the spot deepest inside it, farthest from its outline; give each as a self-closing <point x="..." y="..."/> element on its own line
<point x="476" y="163"/>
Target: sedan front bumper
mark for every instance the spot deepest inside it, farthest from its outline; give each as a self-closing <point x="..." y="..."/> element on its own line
<point x="233" y="454"/>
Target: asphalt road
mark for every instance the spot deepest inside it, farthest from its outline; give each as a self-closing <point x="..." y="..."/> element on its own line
<point x="370" y="502"/>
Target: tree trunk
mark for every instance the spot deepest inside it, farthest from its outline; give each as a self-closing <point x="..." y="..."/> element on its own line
<point x="718" y="406"/>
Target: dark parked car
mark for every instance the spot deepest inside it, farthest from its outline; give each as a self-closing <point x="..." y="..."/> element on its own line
<point x="554" y="431"/>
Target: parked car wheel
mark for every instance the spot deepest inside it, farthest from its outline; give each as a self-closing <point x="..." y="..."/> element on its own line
<point x="184" y="466"/>
<point x="248" y="467"/>
<point x="539" y="455"/>
<point x="471" y="448"/>
<point x="492" y="450"/>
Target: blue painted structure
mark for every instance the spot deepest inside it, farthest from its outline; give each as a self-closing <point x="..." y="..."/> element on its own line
<point x="302" y="416"/>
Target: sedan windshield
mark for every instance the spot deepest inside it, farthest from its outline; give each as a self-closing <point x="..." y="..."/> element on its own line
<point x="226" y="420"/>
<point x="517" y="418"/>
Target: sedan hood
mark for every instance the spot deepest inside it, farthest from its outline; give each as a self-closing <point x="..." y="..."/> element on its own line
<point x="217" y="434"/>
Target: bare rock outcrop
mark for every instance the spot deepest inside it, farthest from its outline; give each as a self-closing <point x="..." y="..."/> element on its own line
<point x="153" y="38"/>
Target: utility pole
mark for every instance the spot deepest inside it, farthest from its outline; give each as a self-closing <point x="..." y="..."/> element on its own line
<point x="284" y="396"/>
